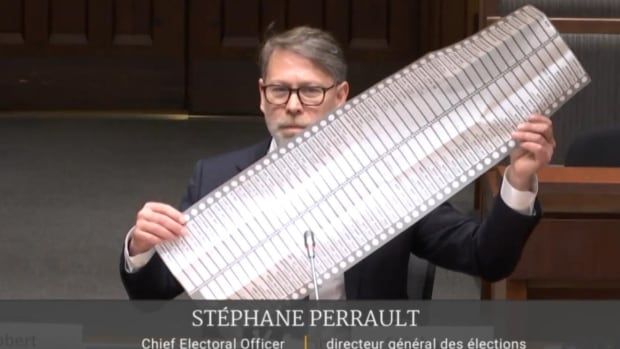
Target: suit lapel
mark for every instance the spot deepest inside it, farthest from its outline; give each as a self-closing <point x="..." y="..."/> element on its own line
<point x="353" y="281"/>
<point x="254" y="153"/>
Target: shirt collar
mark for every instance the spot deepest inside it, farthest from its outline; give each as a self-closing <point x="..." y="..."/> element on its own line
<point x="272" y="145"/>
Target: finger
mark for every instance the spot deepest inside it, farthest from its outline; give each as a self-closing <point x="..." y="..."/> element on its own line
<point x="533" y="127"/>
<point x="167" y="222"/>
<point x="543" y="129"/>
<point x="530" y="137"/>
<point x="145" y="239"/>
<point x="539" y="118"/>
<point x="539" y="151"/>
<point x="148" y="215"/>
<point x="168" y="210"/>
<point x="144" y="227"/>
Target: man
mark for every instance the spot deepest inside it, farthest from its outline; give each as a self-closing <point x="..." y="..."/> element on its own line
<point x="303" y="77"/>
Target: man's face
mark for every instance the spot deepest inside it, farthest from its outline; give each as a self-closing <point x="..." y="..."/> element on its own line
<point x="286" y="68"/>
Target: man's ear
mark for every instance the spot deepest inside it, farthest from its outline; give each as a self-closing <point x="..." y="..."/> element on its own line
<point x="260" y="93"/>
<point x="342" y="93"/>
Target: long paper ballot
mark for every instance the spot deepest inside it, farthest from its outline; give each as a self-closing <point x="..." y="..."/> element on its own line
<point x="372" y="168"/>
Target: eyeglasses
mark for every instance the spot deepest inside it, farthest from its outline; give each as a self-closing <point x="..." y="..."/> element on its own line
<point x="307" y="95"/>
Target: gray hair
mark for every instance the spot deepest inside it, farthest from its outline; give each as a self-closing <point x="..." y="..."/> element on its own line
<point x="317" y="45"/>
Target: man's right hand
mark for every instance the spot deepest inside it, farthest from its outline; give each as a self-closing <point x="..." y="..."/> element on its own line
<point x="155" y="222"/>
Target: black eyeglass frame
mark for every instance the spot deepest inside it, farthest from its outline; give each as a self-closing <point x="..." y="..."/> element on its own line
<point x="296" y="90"/>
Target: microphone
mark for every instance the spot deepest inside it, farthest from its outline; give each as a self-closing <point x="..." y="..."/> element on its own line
<point x="310" y="245"/>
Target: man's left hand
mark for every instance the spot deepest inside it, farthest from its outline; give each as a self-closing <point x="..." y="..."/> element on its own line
<point x="535" y="144"/>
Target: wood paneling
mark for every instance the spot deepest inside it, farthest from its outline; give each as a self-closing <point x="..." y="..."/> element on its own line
<point x="304" y="12"/>
<point x="160" y="55"/>
<point x="92" y="54"/>
<point x="379" y="37"/>
<point x="571" y="252"/>
<point x="133" y="22"/>
<point x="238" y="29"/>
<point x="445" y="22"/>
<point x="369" y="25"/>
<point x="68" y="22"/>
<point x="11" y="22"/>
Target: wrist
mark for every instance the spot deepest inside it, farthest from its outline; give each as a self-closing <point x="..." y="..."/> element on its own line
<point x="520" y="182"/>
<point x="132" y="248"/>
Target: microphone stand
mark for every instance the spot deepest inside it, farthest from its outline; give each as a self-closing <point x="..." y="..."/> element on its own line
<point x="310" y="245"/>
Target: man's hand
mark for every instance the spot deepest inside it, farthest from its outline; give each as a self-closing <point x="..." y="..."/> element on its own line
<point x="155" y="222"/>
<point x="533" y="152"/>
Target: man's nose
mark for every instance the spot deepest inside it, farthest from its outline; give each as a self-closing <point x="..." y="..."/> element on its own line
<point x="294" y="106"/>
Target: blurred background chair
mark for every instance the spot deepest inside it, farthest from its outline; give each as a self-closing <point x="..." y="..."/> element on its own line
<point x="600" y="147"/>
<point x="421" y="278"/>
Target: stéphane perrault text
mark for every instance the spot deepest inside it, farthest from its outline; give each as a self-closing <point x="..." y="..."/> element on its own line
<point x="225" y="317"/>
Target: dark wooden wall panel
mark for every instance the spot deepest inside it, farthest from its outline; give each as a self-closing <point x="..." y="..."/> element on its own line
<point x="382" y="37"/>
<point x="36" y="21"/>
<point x="453" y="18"/>
<point x="196" y="55"/>
<point x="133" y="22"/>
<point x="93" y="55"/>
<point x="273" y="14"/>
<point x="379" y="37"/>
<point x="369" y="24"/>
<point x="445" y="22"/>
<point x="240" y="27"/>
<point x="68" y="22"/>
<point x="11" y="22"/>
<point x="304" y="12"/>
<point x="334" y="14"/>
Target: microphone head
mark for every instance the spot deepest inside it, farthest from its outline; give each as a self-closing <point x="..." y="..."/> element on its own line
<point x="309" y="238"/>
<point x="309" y="242"/>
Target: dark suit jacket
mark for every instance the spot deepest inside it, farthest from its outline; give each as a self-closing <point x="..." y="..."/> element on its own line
<point x="490" y="249"/>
